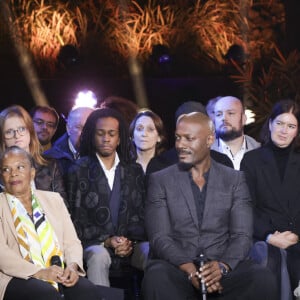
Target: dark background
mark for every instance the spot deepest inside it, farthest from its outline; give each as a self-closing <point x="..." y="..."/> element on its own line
<point x="165" y="92"/>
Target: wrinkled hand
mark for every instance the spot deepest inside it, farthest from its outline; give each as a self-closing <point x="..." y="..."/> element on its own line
<point x="52" y="273"/>
<point x="123" y="246"/>
<point x="67" y="277"/>
<point x="284" y="239"/>
<point x="211" y="274"/>
<point x="70" y="275"/>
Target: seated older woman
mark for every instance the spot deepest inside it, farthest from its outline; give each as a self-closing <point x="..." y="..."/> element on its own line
<point x="36" y="230"/>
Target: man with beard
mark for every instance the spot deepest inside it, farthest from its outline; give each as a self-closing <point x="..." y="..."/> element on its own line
<point x="199" y="206"/>
<point x="230" y="120"/>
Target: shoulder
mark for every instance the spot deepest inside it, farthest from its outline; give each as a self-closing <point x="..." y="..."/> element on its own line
<point x="221" y="158"/>
<point x="49" y="199"/>
<point x="254" y="159"/>
<point x="168" y="173"/>
<point x="61" y="141"/>
<point x="222" y="169"/>
<point x="251" y="142"/>
<point x="85" y="162"/>
<point x="255" y="154"/>
<point x="224" y="175"/>
<point x="132" y="167"/>
<point x="2" y="197"/>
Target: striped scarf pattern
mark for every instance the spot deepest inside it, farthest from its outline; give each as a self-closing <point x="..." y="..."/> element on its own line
<point x="36" y="237"/>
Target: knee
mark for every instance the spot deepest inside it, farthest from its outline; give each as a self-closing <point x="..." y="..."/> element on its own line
<point x="263" y="279"/>
<point x="98" y="257"/>
<point x="140" y="255"/>
<point x="155" y="274"/>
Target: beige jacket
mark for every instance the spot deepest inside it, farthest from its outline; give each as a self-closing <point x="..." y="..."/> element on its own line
<point x="12" y="263"/>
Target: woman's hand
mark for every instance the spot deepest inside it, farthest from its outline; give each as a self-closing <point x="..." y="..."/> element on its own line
<point x="284" y="239"/>
<point x="52" y="273"/>
<point x="67" y="277"/>
<point x="70" y="275"/>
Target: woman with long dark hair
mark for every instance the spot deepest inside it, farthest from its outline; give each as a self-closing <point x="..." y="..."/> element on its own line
<point x="273" y="173"/>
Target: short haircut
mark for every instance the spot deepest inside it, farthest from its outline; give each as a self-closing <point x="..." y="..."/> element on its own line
<point x="16" y="149"/>
<point x="189" y="107"/>
<point x="45" y="109"/>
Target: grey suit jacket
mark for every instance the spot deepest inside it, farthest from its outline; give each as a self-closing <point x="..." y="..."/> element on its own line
<point x="172" y="224"/>
<point x="12" y="263"/>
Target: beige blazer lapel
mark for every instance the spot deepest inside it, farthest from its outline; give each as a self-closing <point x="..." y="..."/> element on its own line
<point x="5" y="215"/>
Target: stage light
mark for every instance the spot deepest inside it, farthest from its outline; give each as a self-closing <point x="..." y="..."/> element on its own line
<point x="250" y="116"/>
<point x="85" y="98"/>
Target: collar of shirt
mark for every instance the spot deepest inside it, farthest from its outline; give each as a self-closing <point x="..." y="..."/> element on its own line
<point x="73" y="150"/>
<point x="237" y="158"/>
<point x="110" y="174"/>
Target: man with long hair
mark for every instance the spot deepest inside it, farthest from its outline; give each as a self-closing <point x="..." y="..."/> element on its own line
<point x="106" y="195"/>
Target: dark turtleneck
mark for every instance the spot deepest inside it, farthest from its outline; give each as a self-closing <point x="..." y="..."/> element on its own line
<point x="281" y="156"/>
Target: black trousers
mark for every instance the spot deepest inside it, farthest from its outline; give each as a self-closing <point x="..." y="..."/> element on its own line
<point x="248" y="281"/>
<point x="292" y="261"/>
<point x="34" y="289"/>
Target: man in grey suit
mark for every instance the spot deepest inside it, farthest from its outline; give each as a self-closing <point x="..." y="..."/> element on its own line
<point x="201" y="207"/>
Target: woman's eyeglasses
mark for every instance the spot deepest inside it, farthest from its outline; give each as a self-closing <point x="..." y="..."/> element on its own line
<point x="10" y="133"/>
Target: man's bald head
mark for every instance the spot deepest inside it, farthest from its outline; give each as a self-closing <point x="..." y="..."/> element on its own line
<point x="200" y="118"/>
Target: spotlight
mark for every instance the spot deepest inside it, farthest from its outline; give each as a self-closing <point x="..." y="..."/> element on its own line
<point x="85" y="98"/>
<point x="250" y="116"/>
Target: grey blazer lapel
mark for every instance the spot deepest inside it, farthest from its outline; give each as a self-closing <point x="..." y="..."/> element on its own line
<point x="185" y="189"/>
<point x="213" y="181"/>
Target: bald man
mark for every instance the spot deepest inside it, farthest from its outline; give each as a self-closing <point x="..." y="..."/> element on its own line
<point x="230" y="119"/>
<point x="204" y="208"/>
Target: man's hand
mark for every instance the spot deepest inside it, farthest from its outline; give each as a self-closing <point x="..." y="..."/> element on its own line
<point x="192" y="273"/>
<point x="211" y="274"/>
<point x="121" y="245"/>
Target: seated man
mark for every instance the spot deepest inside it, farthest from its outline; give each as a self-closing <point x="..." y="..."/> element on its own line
<point x="106" y="194"/>
<point x="66" y="149"/>
<point x="199" y="206"/>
